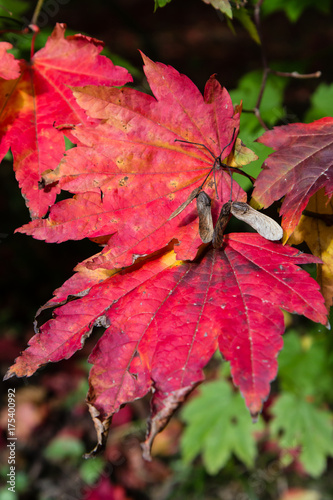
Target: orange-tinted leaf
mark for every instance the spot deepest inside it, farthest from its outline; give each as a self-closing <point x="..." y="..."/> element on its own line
<point x="40" y="99"/>
<point x="133" y="175"/>
<point x="165" y="319"/>
<point x="300" y="166"/>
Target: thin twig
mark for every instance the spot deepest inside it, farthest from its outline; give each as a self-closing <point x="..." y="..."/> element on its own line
<point x="295" y="74"/>
<point x="37" y="11"/>
<point x="257" y="114"/>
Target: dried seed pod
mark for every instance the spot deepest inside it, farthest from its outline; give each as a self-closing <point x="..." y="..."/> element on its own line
<point x="206" y="228"/>
<point x="181" y="207"/>
<point x="263" y="224"/>
<point x="220" y="225"/>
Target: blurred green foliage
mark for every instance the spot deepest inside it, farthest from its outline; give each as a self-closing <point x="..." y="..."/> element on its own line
<point x="91" y="470"/>
<point x="306" y="366"/>
<point x="321" y="103"/>
<point x="64" y="448"/>
<point x="294" y="8"/>
<point x="11" y="10"/>
<point x="298" y="424"/>
<point x="161" y="3"/>
<point x="218" y="425"/>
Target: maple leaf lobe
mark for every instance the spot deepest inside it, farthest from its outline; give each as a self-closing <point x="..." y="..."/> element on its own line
<point x="300" y="166"/>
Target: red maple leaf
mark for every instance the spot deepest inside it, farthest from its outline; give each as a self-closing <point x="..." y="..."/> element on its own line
<point x="300" y="166"/>
<point x="132" y="175"/>
<point x="40" y="99"/>
<point x="165" y="319"/>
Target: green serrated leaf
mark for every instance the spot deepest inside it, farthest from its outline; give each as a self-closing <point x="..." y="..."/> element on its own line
<point x="224" y="430"/>
<point x="298" y="423"/>
<point x="243" y="17"/>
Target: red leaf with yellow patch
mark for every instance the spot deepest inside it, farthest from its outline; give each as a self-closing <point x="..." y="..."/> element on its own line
<point x="132" y="175"/>
<point x="39" y="100"/>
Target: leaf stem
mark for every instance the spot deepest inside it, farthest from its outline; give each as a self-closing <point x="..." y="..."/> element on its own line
<point x="35" y="30"/>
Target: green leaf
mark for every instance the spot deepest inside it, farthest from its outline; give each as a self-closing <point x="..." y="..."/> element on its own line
<point x="91" y="470"/>
<point x="298" y="423"/>
<point x="243" y="17"/>
<point x="160" y="3"/>
<point x="218" y="426"/>
<point x="294" y="8"/>
<point x="321" y="103"/>
<point x="64" y="447"/>
<point x="304" y="367"/>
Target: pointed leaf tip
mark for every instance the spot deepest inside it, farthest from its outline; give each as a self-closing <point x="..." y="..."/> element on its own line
<point x="255" y="417"/>
<point x="8" y="375"/>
